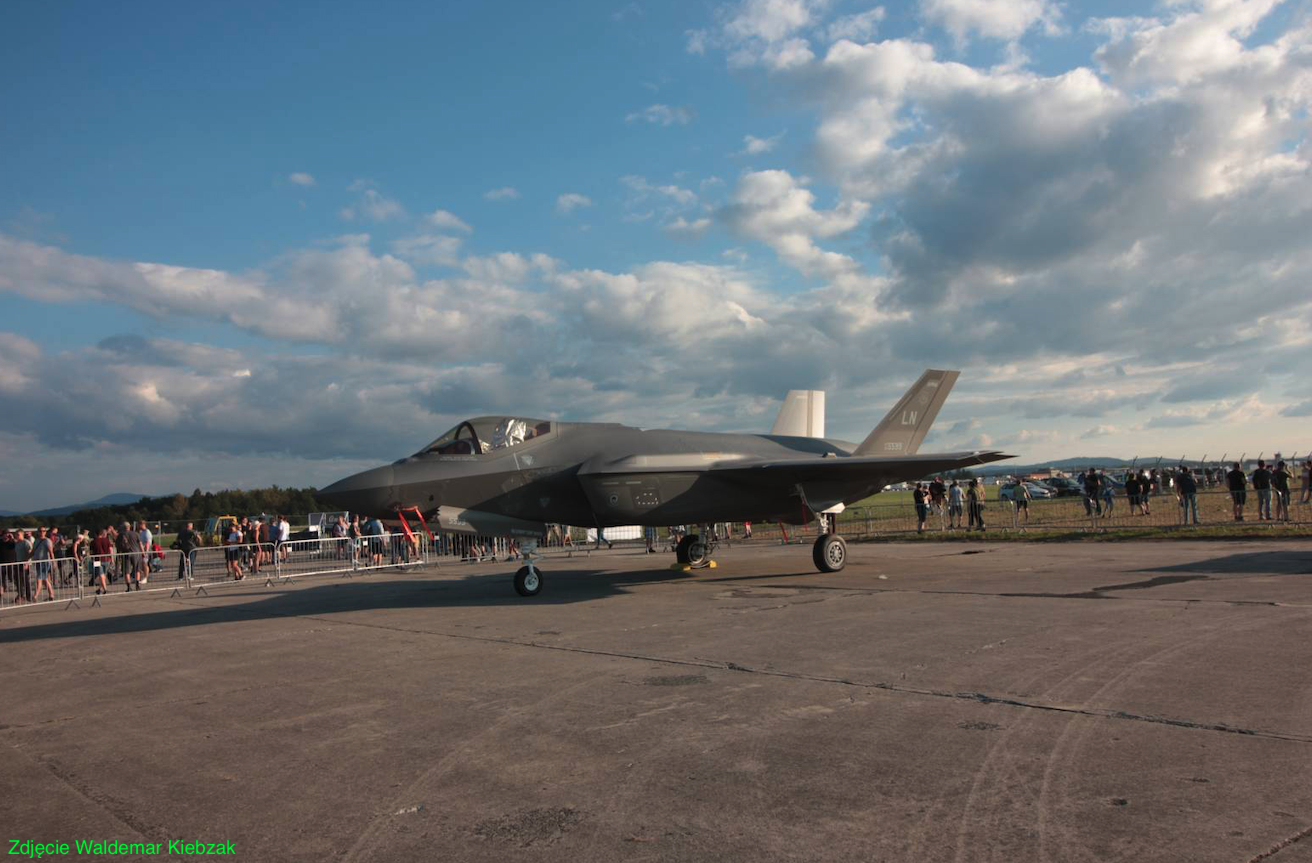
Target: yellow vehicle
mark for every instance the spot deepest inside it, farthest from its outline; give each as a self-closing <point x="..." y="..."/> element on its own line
<point x="216" y="528"/>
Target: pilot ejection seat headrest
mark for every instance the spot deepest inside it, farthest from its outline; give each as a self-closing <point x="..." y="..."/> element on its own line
<point x="509" y="432"/>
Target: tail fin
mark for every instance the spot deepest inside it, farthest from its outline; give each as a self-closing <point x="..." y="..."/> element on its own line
<point x="803" y="414"/>
<point x="906" y="425"/>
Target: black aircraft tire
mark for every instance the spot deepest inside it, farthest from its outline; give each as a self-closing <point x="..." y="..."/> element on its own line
<point x="528" y="582"/>
<point x="829" y="552"/>
<point x="681" y="550"/>
<point x="695" y="554"/>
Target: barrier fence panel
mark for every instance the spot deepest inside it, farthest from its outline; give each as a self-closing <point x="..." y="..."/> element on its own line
<point x="217" y="564"/>
<point x="32" y="581"/>
<point x="325" y="556"/>
<point x="391" y="550"/>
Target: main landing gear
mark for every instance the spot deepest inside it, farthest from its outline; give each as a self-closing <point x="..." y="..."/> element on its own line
<point x="695" y="551"/>
<point x="830" y="550"/>
<point x="528" y="578"/>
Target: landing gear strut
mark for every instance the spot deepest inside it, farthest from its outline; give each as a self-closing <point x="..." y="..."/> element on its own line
<point x="528" y="578"/>
<point x="830" y="550"/>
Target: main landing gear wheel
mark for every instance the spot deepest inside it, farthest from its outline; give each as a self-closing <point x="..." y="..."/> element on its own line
<point x="829" y="552"/>
<point x="681" y="550"/>
<point x="528" y="581"/>
<point x="692" y="551"/>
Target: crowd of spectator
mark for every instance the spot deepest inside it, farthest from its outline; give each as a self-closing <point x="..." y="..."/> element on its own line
<point x="34" y="562"/>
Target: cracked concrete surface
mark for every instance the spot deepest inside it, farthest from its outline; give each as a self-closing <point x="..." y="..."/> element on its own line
<point x="1137" y="701"/>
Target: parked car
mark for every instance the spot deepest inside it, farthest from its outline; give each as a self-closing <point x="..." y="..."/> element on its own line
<point x="1064" y="486"/>
<point x="1037" y="492"/>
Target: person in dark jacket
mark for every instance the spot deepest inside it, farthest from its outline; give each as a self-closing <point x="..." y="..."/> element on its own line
<point x="1262" y="485"/>
<point x="1186" y="488"/>
<point x="1238" y="490"/>
<point x="186" y="543"/>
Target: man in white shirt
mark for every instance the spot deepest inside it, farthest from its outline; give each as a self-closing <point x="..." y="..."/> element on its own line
<point x="284" y="535"/>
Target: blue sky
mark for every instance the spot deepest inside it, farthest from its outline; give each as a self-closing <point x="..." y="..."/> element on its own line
<point x="275" y="243"/>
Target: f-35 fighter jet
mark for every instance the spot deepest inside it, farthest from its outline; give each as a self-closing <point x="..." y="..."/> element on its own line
<point x="509" y="476"/>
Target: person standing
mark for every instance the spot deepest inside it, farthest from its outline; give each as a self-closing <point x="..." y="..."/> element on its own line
<point x="937" y="491"/>
<point x="81" y="543"/>
<point x="1280" y="478"/>
<point x="102" y="558"/>
<point x="284" y="537"/>
<point x="954" y="505"/>
<point x="975" y="504"/>
<point x="1186" y="488"/>
<point x="1132" y="491"/>
<point x="124" y="542"/>
<point x="146" y="536"/>
<point x="1092" y="498"/>
<point x="233" y="552"/>
<point x="922" y="511"/>
<point x="1108" y="492"/>
<point x="43" y="556"/>
<point x="186" y="544"/>
<point x="1262" y="485"/>
<point x="1307" y="481"/>
<point x="353" y="532"/>
<point x="374" y="531"/>
<point x="1238" y="484"/>
<point x="1020" y="497"/>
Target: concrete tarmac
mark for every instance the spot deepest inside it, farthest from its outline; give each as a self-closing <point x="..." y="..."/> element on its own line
<point x="988" y="702"/>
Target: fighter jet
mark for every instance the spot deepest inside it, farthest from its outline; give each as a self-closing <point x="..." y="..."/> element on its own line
<point x="510" y="475"/>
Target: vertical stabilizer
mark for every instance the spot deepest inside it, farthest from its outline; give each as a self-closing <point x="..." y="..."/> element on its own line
<point x="803" y="414"/>
<point x="908" y="422"/>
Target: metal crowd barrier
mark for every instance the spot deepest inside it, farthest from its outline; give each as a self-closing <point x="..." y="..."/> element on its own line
<point x="79" y="580"/>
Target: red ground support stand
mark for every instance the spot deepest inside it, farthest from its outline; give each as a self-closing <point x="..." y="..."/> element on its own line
<point x="405" y="525"/>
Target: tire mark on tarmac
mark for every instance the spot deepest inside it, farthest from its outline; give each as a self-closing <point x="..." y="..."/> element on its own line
<point x="111" y="806"/>
<point x="998" y="768"/>
<point x="1024" y="595"/>
<point x="373" y="830"/>
<point x="726" y="665"/>
<point x="1074" y="735"/>
<point x="1280" y="846"/>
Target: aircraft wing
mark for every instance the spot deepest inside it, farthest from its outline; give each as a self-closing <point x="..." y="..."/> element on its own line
<point x="768" y="471"/>
<point x="887" y="469"/>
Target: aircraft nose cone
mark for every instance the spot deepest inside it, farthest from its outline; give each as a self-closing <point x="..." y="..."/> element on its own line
<point x="370" y="492"/>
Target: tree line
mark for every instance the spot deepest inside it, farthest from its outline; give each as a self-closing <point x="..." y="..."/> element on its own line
<point x="197" y="507"/>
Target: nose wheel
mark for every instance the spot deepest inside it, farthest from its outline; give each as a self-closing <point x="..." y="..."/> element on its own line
<point x="528" y="578"/>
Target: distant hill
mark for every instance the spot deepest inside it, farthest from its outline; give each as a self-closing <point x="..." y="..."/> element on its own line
<point x="116" y="499"/>
<point x="1007" y="468"/>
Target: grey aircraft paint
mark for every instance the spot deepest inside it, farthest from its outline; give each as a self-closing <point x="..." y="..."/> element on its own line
<point x="504" y="475"/>
<point x="511" y="475"/>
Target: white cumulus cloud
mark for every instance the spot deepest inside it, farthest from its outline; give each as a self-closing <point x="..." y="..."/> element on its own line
<point x="571" y="201"/>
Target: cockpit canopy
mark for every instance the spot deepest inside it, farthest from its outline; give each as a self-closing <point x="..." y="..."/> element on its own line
<point x="485" y="434"/>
